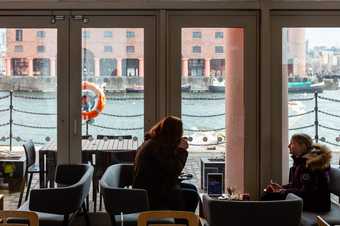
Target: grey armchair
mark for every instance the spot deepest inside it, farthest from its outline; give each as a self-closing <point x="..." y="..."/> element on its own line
<point x="57" y="206"/>
<point x="120" y="199"/>
<point x="244" y="213"/>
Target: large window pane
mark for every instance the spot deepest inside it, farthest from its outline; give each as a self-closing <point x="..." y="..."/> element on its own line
<point x="119" y="73"/>
<point x="34" y="97"/>
<point x="311" y="69"/>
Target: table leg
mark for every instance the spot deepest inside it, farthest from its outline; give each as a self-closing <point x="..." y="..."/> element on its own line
<point x="42" y="169"/>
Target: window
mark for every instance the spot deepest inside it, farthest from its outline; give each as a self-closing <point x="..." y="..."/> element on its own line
<point x="196" y="67"/>
<point x="108" y="49"/>
<point x="86" y="34"/>
<point x="218" y="35"/>
<point x="41" y="34"/>
<point x="219" y="49"/>
<point x="18" y="35"/>
<point x="107" y="34"/>
<point x="41" y="67"/>
<point x="130" y="34"/>
<point x="196" y="34"/>
<point x="196" y="49"/>
<point x="108" y="67"/>
<point x="40" y="49"/>
<point x="19" y="66"/>
<point x="18" y="49"/>
<point x="130" y="49"/>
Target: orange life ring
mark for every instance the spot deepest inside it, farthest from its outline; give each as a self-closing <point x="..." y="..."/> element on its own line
<point x="100" y="103"/>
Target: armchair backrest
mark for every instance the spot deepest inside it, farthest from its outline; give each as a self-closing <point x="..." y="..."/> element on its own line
<point x="75" y="181"/>
<point x="244" y="213"/>
<point x="334" y="184"/>
<point x="117" y="197"/>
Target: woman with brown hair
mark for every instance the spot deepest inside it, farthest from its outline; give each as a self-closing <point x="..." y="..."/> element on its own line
<point x="159" y="162"/>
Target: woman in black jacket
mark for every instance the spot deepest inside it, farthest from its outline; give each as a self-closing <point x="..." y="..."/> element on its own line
<point x="159" y="162"/>
<point x="309" y="175"/>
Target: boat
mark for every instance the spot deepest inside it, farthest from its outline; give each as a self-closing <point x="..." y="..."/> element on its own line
<point x="135" y="89"/>
<point x="331" y="84"/>
<point x="186" y="87"/>
<point x="217" y="85"/>
<point x="304" y="85"/>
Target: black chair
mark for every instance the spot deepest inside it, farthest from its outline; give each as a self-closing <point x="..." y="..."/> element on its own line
<point x="244" y="213"/>
<point x="58" y="206"/>
<point x="31" y="169"/>
<point x="100" y="167"/>
<point x="118" y="198"/>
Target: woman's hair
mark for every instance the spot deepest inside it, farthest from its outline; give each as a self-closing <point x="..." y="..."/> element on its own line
<point x="169" y="129"/>
<point x="305" y="139"/>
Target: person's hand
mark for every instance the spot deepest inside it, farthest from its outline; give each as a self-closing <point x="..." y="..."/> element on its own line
<point x="183" y="144"/>
<point x="275" y="186"/>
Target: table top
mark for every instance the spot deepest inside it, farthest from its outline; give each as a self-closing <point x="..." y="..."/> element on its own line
<point x="109" y="145"/>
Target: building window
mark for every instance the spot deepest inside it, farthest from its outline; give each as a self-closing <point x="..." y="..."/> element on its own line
<point x="19" y="66"/>
<point x="219" y="35"/>
<point x="107" y="34"/>
<point x="40" y="49"/>
<point x="108" y="49"/>
<point x="130" y="49"/>
<point x="196" y="49"/>
<point x="196" y="34"/>
<point x="130" y="34"/>
<point x="108" y="67"/>
<point x="86" y="34"/>
<point x="196" y="67"/>
<point x="19" y="35"/>
<point x="18" y="49"/>
<point x="219" y="49"/>
<point x="217" y="67"/>
<point x="41" y="67"/>
<point x="41" y="34"/>
<point x="130" y="67"/>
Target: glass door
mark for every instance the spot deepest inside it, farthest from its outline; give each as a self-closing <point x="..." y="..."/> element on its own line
<point x="113" y="76"/>
<point x="34" y="82"/>
<point x="213" y="89"/>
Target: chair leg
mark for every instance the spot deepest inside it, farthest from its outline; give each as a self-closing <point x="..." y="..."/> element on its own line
<point x="29" y="186"/>
<point x="94" y="196"/>
<point x="22" y="190"/>
<point x="66" y="220"/>
<point x="86" y="215"/>
<point x="100" y="201"/>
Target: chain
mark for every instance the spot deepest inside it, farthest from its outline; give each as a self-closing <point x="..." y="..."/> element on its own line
<point x="302" y="127"/>
<point x="329" y="99"/>
<point x="330" y="114"/>
<point x="32" y="113"/>
<point x="305" y="113"/>
<point x="203" y="116"/>
<point x="330" y="128"/>
<point x="112" y="128"/>
<point x="204" y="130"/>
<point x="122" y="116"/>
<point x="34" y="127"/>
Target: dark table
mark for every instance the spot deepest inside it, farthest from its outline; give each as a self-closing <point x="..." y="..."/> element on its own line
<point x="100" y="152"/>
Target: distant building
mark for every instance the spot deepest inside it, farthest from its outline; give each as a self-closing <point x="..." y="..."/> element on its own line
<point x="109" y="52"/>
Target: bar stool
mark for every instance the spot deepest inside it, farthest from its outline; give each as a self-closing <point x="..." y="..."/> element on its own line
<point x="31" y="168"/>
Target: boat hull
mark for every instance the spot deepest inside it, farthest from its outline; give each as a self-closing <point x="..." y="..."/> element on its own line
<point x="216" y="89"/>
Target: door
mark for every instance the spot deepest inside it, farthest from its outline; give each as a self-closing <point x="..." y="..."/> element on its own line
<point x="112" y="77"/>
<point x="212" y="80"/>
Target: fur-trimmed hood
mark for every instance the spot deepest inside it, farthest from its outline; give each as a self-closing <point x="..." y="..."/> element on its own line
<point x="318" y="158"/>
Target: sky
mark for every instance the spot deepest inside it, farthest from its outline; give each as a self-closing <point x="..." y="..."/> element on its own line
<point x="323" y="37"/>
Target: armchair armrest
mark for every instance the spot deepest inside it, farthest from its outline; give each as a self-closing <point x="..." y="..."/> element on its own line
<point x="55" y="200"/>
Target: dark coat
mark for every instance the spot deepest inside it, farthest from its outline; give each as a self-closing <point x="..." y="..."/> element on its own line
<point x="157" y="167"/>
<point x="309" y="179"/>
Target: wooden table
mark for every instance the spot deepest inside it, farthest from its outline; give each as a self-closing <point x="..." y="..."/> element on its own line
<point x="109" y="151"/>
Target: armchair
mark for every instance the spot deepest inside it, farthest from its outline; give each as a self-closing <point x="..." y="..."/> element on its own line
<point x="244" y="213"/>
<point x="57" y="206"/>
